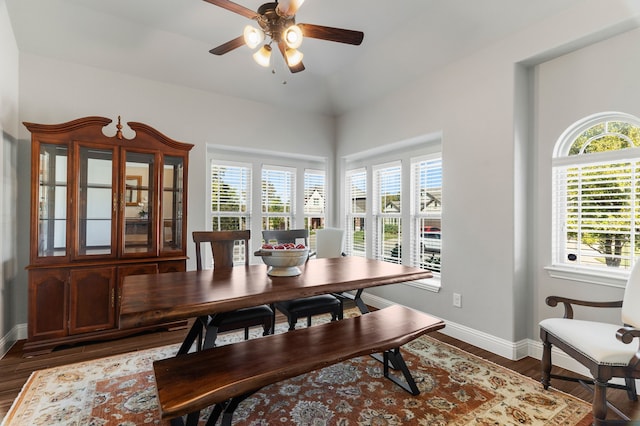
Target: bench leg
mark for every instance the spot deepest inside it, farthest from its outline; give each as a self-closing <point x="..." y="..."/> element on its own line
<point x="192" y="420"/>
<point x="226" y="409"/>
<point x="394" y="357"/>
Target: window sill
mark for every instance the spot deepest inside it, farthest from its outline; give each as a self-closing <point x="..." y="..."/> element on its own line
<point x="591" y="276"/>
<point x="430" y="284"/>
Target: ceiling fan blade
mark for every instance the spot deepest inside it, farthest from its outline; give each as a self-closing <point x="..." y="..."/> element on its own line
<point x="228" y="46"/>
<point x="295" y="68"/>
<point x="234" y="7"/>
<point x="332" y="34"/>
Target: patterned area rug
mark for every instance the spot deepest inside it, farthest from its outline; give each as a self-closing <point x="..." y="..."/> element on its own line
<point x="456" y="388"/>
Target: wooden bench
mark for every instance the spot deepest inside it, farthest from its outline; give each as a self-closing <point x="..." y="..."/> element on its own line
<point x="226" y="375"/>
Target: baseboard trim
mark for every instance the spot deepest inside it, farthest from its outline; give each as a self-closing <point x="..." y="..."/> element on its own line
<point x="18" y="332"/>
<point x="510" y="350"/>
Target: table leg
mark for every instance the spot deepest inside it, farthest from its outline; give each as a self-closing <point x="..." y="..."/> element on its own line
<point x="194" y="333"/>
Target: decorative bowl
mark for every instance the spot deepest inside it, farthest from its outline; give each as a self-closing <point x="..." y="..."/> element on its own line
<point x="283" y="263"/>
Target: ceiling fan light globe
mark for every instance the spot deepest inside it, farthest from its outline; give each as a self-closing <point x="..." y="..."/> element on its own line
<point x="288" y="8"/>
<point x="263" y="56"/>
<point x="252" y="36"/>
<point x="293" y="36"/>
<point x="294" y="57"/>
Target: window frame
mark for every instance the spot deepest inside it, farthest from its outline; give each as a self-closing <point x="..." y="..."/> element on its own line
<point x="256" y="159"/>
<point x="405" y="152"/>
<point x="561" y="161"/>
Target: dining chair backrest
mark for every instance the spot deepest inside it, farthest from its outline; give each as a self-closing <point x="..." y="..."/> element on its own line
<point x="286" y="236"/>
<point x="222" y="246"/>
<point x="631" y="300"/>
<point x="329" y="242"/>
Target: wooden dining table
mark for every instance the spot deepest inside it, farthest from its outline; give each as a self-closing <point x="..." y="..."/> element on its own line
<point x="160" y="298"/>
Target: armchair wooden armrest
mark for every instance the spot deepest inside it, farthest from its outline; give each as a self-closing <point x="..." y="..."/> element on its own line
<point x="568" y="309"/>
<point x="626" y="335"/>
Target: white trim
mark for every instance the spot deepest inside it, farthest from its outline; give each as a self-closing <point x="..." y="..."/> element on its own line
<point x="18" y="332"/>
<point x="430" y="284"/>
<point x="504" y="348"/>
<point x="510" y="350"/>
<point x="609" y="278"/>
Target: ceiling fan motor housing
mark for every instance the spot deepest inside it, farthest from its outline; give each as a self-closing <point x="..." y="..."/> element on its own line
<point x="271" y="22"/>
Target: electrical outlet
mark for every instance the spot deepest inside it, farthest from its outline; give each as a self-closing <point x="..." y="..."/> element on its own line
<point x="457" y="300"/>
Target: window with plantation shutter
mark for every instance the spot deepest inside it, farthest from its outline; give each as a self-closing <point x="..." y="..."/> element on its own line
<point x="387" y="211"/>
<point x="278" y="197"/>
<point x="426" y="241"/>
<point x="230" y="203"/>
<point x="356" y="204"/>
<point x="315" y="202"/>
<point x="596" y="194"/>
<point x="230" y="197"/>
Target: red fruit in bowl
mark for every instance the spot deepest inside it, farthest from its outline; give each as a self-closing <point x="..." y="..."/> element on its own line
<point x="267" y="246"/>
<point x="301" y="246"/>
<point x="279" y="247"/>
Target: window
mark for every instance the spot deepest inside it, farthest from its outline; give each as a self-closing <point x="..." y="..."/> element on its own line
<point x="356" y="207"/>
<point x="387" y="183"/>
<point x="230" y="203"/>
<point x="393" y="209"/>
<point x="278" y="198"/>
<point x="596" y="194"/>
<point x="230" y="197"/>
<point x="315" y="203"/>
<point x="426" y="190"/>
<point x="260" y="190"/>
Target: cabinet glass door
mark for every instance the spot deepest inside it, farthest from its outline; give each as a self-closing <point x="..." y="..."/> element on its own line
<point x="139" y="232"/>
<point x="96" y="206"/>
<point x="172" y="203"/>
<point x="52" y="199"/>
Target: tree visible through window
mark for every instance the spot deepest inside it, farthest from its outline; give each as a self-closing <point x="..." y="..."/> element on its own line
<point x="597" y="193"/>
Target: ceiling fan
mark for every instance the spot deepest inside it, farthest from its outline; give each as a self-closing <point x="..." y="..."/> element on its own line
<point x="277" y="22"/>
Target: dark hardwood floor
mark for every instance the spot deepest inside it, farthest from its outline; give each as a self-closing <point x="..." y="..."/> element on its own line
<point x="15" y="370"/>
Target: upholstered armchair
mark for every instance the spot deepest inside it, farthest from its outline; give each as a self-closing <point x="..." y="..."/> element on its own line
<point x="607" y="350"/>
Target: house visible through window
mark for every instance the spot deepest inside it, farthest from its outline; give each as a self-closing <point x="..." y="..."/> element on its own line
<point x="596" y="193"/>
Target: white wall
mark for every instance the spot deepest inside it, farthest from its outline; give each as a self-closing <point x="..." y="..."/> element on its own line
<point x="478" y="104"/>
<point x="8" y="136"/>
<point x="56" y="92"/>
<point x="602" y="77"/>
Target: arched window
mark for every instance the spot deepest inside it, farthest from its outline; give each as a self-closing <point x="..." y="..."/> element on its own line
<point x="596" y="193"/>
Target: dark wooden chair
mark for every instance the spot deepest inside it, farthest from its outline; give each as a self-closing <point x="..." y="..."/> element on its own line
<point x="306" y="306"/>
<point x="222" y="246"/>
<point x="601" y="347"/>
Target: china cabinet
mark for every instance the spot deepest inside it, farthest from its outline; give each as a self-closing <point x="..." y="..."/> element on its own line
<point x="102" y="207"/>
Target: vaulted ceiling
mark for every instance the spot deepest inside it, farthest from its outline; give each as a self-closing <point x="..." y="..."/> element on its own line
<point x="169" y="40"/>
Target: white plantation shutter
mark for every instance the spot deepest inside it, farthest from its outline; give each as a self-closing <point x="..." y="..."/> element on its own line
<point x="598" y="200"/>
<point x="356" y="194"/>
<point x="387" y="212"/>
<point x="230" y="197"/>
<point x="596" y="210"/>
<point x="426" y="240"/>
<point x="230" y="203"/>
<point x="278" y="201"/>
<point x="315" y="204"/>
